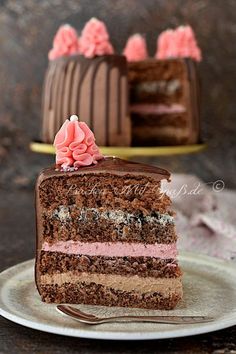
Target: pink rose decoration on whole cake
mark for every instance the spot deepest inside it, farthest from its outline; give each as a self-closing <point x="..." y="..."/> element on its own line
<point x="75" y="145"/>
<point x="65" y="43"/>
<point x="178" y="43"/>
<point x="94" y="40"/>
<point x="136" y="48"/>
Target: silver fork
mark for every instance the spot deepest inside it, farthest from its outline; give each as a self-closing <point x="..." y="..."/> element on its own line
<point x="93" y="320"/>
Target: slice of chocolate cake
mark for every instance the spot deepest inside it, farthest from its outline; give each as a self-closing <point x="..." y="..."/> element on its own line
<point x="105" y="231"/>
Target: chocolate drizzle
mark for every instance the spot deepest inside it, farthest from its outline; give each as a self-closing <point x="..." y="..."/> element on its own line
<point x="91" y="106"/>
<point x="77" y="85"/>
<point x="83" y="67"/>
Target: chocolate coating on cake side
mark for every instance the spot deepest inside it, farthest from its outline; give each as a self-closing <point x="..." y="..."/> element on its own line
<point x="95" y="89"/>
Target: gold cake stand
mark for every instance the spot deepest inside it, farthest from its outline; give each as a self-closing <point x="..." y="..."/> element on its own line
<point x="128" y="152"/>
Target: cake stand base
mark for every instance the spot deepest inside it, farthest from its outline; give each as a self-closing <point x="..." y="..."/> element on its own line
<point x="133" y="151"/>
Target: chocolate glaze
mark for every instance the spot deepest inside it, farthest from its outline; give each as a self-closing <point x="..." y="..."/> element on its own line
<point x="111" y="166"/>
<point x="73" y="86"/>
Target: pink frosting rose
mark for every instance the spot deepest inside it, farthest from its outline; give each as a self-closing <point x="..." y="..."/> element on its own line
<point x="178" y="43"/>
<point x="65" y="43"/>
<point x="136" y="48"/>
<point x="75" y="145"/>
<point x="94" y="40"/>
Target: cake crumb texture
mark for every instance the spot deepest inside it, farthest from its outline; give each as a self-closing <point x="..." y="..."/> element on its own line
<point x="96" y="294"/>
<point x="55" y="262"/>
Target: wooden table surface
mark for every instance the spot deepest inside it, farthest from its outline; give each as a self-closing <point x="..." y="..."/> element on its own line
<point x="17" y="245"/>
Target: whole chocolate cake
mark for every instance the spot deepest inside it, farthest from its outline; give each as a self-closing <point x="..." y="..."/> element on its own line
<point x="145" y="102"/>
<point x="105" y="231"/>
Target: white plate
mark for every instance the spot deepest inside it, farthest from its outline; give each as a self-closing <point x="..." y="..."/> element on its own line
<point x="209" y="289"/>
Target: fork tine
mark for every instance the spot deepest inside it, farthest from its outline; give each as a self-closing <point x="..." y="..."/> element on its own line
<point x="81" y="313"/>
<point x="74" y="311"/>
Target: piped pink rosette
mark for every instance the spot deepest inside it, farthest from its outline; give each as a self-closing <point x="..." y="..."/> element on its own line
<point x="94" y="39"/>
<point x="65" y="43"/>
<point x="136" y="48"/>
<point x="75" y="145"/>
<point x="178" y="43"/>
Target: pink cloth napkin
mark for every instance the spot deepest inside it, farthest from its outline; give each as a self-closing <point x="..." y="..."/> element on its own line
<point x="205" y="215"/>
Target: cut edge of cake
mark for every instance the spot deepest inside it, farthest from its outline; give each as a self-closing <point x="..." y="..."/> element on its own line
<point x="85" y="263"/>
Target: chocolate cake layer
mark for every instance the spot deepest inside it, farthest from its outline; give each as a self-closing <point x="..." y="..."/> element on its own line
<point x="96" y="294"/>
<point x="101" y="225"/>
<point x="168" y="135"/>
<point x="130" y="194"/>
<point x="95" y="89"/>
<point x="170" y="129"/>
<point x="152" y="121"/>
<point x="55" y="262"/>
<point x="112" y="192"/>
<point x="162" y="92"/>
<point x="159" y="81"/>
<point x="148" y="70"/>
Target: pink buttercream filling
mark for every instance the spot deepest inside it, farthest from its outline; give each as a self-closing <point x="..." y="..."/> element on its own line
<point x="113" y="249"/>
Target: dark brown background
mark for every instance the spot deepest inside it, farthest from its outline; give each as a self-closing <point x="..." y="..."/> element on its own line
<point x="26" y="32"/>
